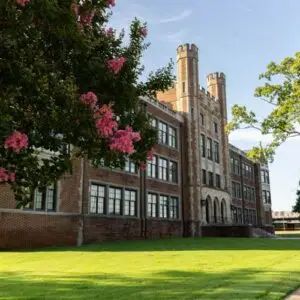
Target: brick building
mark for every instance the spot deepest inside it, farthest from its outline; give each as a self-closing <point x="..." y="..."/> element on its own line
<point x="191" y="183"/>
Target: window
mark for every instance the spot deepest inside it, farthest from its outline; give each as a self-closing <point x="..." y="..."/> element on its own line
<point x="152" y="167"/>
<point x="192" y="113"/>
<point x="183" y="87"/>
<point x="239" y="215"/>
<point x="246" y="216"/>
<point x="236" y="190"/>
<point x="217" y="153"/>
<point x="173" y="177"/>
<point x="153" y="123"/>
<point x="202" y="119"/>
<point x="218" y="181"/>
<point x="162" y="133"/>
<point x="265" y="176"/>
<point x="97" y="199"/>
<point x="245" y="192"/>
<point x="162" y="169"/>
<point x="173" y="208"/>
<point x="232" y="164"/>
<point x="268" y="197"/>
<point x="172" y="137"/>
<point x="203" y="145"/>
<point x="216" y="127"/>
<point x="210" y="179"/>
<point x="130" y="203"/>
<point x="264" y="196"/>
<point x="203" y="176"/>
<point x="152" y="205"/>
<point x="163" y="207"/>
<point x="262" y="176"/>
<point x="236" y="166"/>
<point x="209" y="148"/>
<point x="115" y="198"/>
<point x="130" y="166"/>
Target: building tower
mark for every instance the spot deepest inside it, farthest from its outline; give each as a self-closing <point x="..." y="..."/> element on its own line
<point x="216" y="84"/>
<point x="187" y="96"/>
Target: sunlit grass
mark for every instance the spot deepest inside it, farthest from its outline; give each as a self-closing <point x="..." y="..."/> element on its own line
<point x="289" y="233"/>
<point x="164" y="269"/>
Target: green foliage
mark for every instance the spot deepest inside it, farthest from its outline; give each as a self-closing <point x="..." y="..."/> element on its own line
<point x="296" y="208"/>
<point x="284" y="97"/>
<point x="46" y="62"/>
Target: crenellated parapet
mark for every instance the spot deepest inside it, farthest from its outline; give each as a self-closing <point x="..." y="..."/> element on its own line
<point x="187" y="50"/>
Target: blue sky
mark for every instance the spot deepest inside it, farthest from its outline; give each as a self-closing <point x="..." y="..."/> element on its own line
<point x="237" y="37"/>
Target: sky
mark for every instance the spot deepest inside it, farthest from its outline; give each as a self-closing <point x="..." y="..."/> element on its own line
<point x="237" y="37"/>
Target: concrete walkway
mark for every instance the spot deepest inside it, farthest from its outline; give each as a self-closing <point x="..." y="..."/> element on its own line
<point x="294" y="296"/>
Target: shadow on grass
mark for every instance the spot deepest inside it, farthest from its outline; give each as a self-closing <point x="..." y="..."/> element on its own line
<point x="183" y="244"/>
<point x="171" y="284"/>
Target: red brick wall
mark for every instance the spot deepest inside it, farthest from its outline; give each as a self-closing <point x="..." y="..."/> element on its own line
<point x="32" y="230"/>
<point x="163" y="229"/>
<point x="7" y="199"/>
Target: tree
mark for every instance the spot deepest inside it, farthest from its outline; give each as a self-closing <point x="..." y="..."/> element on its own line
<point x="284" y="98"/>
<point x="69" y="87"/>
<point x="296" y="208"/>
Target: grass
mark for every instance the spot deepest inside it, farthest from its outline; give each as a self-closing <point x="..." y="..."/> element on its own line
<point x="209" y="268"/>
<point x="295" y="233"/>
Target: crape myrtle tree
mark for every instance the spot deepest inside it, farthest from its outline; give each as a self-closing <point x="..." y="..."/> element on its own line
<point x="282" y="92"/>
<point x="66" y="78"/>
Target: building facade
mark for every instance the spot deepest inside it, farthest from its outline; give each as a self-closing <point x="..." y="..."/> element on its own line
<point x="286" y="220"/>
<point x="195" y="180"/>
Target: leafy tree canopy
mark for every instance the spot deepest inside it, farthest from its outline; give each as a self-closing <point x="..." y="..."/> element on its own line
<point x="66" y="78"/>
<point x="296" y="208"/>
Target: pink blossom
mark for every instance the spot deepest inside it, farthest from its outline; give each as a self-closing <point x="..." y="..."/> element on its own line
<point x="87" y="18"/>
<point x="143" y="31"/>
<point x="16" y="141"/>
<point x="111" y="3"/>
<point x="150" y="154"/>
<point x="122" y="140"/>
<point x="108" y="31"/>
<point x="22" y="2"/>
<point x="89" y="99"/>
<point x="116" y="64"/>
<point x="142" y="166"/>
<point x="105" y="122"/>
<point x="75" y="8"/>
<point x="12" y="176"/>
<point x="6" y="176"/>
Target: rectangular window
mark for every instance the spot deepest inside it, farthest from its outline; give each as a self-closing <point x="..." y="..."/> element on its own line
<point x="268" y="197"/>
<point x="162" y="133"/>
<point x="246" y="216"/>
<point x="152" y="167"/>
<point x="172" y="137"/>
<point x="264" y="196"/>
<point x="114" y="201"/>
<point x="183" y="87"/>
<point x="209" y="148"/>
<point x="162" y="169"/>
<point x="245" y="192"/>
<point x="152" y="205"/>
<point x="163" y="207"/>
<point x="217" y="152"/>
<point x="203" y="145"/>
<point x="218" y="181"/>
<point x="232" y="164"/>
<point x="240" y="217"/>
<point x="236" y="166"/>
<point x="202" y="119"/>
<point x="130" y="203"/>
<point x="234" y="189"/>
<point x="203" y="176"/>
<point x="210" y="179"/>
<point x="173" y="172"/>
<point x="216" y="127"/>
<point x="97" y="199"/>
<point x="238" y="191"/>
<point x="262" y="176"/>
<point x="130" y="166"/>
<point x="173" y="208"/>
<point x="267" y="178"/>
<point x="44" y="199"/>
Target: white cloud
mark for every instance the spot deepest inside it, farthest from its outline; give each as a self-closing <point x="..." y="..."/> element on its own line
<point x="174" y="37"/>
<point x="249" y="135"/>
<point x="186" y="13"/>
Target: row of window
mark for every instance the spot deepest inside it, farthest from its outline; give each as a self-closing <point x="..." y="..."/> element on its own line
<point x="167" y="135"/>
<point x="265" y="176"/>
<point x="247" y="170"/>
<point x="202" y="122"/>
<point x="208" y="179"/>
<point x="130" y="166"/>
<point x="249" y="216"/>
<point x="162" y="169"/>
<point x="210" y="149"/>
<point x="249" y="192"/>
<point x="266" y="195"/>
<point x="162" y="206"/>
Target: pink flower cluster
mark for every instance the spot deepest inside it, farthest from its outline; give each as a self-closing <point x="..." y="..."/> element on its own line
<point x="116" y="64"/>
<point x="105" y="123"/>
<point x="89" y="99"/>
<point x="22" y="2"/>
<point x="143" y="31"/>
<point x="122" y="140"/>
<point x="16" y="141"/>
<point x="150" y="154"/>
<point x="108" y="31"/>
<point x="75" y="8"/>
<point x="111" y="3"/>
<point x="6" y="176"/>
<point x="87" y="18"/>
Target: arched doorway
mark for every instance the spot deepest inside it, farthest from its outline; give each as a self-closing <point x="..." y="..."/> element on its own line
<point x="216" y="210"/>
<point x="223" y="211"/>
<point x="208" y="209"/>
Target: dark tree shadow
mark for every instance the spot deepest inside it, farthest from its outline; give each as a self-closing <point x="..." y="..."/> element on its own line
<point x="172" y="284"/>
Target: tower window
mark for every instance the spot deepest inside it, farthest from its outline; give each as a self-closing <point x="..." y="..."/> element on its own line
<point x="183" y="87"/>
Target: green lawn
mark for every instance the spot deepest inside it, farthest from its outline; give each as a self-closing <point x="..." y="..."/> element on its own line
<point x="165" y="269"/>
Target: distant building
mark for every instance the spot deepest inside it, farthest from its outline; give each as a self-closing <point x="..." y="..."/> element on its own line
<point x="196" y="179"/>
<point x="286" y="220"/>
